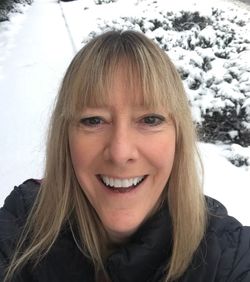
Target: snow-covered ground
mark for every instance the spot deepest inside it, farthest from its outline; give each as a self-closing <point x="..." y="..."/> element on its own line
<point x="36" y="47"/>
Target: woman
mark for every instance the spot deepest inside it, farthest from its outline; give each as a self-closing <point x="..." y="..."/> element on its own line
<point x="121" y="198"/>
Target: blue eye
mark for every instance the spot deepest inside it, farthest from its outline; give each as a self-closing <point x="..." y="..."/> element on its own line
<point x="91" y="121"/>
<point x="153" y="120"/>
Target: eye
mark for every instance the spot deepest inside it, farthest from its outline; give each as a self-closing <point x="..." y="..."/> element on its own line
<point x="153" y="120"/>
<point x="92" y="121"/>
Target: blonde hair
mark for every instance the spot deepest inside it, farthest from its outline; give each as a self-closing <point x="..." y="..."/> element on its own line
<point x="61" y="200"/>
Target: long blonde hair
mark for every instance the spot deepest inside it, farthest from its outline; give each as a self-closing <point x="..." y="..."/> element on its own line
<point x="61" y="198"/>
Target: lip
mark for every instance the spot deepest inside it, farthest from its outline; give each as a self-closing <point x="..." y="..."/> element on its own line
<point x="121" y="177"/>
<point x="121" y="190"/>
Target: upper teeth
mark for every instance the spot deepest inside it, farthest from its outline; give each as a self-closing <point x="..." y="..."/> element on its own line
<point x="118" y="182"/>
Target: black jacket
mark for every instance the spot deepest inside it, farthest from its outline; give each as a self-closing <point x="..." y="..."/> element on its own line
<point x="224" y="254"/>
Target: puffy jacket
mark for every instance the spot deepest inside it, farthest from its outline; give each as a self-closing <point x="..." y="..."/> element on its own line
<point x="223" y="255"/>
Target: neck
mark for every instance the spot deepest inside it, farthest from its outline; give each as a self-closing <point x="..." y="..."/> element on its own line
<point x="101" y="277"/>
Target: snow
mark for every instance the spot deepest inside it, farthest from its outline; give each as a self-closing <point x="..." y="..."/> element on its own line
<point x="37" y="45"/>
<point x="33" y="59"/>
<point x="225" y="182"/>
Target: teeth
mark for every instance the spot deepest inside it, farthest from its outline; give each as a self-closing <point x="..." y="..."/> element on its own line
<point x="121" y="183"/>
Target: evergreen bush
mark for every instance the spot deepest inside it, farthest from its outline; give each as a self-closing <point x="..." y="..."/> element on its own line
<point x="8" y="6"/>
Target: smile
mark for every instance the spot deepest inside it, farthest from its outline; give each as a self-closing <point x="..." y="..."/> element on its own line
<point x="122" y="183"/>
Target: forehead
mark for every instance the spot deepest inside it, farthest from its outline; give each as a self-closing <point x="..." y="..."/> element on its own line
<point x="121" y="86"/>
<point x="125" y="89"/>
<point x="123" y="102"/>
<point x="122" y="83"/>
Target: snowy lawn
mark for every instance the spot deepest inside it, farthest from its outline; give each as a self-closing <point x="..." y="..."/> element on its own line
<point x="209" y="43"/>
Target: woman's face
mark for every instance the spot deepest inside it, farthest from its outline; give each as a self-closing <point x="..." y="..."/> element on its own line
<point x="122" y="154"/>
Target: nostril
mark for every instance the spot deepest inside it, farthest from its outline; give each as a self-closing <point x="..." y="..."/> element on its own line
<point x="120" y="152"/>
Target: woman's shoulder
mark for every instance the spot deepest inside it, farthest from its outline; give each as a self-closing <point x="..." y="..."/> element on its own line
<point x="219" y="222"/>
<point x="20" y="200"/>
<point x="13" y="216"/>
<point x="230" y="240"/>
<point x="224" y="253"/>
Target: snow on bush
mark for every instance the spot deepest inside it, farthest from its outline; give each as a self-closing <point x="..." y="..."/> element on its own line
<point x="99" y="2"/>
<point x="7" y="6"/>
<point x="211" y="53"/>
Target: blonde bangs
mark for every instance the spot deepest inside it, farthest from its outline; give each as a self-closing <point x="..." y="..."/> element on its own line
<point x="145" y="69"/>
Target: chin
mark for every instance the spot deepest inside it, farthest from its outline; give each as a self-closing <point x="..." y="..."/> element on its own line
<point x="120" y="228"/>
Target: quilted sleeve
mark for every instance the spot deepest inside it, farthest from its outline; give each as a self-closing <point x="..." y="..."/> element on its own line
<point x="241" y="266"/>
<point x="13" y="215"/>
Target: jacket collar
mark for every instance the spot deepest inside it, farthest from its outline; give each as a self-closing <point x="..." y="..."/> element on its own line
<point x="144" y="258"/>
<point x="148" y="250"/>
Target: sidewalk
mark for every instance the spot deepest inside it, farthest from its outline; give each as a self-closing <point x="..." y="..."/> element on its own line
<point x="35" y="64"/>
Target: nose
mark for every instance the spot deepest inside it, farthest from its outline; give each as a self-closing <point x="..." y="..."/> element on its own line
<point x="121" y="147"/>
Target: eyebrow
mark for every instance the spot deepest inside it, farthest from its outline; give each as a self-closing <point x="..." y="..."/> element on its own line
<point x="108" y="107"/>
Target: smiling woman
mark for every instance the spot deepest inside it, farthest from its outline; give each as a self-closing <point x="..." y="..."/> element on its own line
<point x="121" y="199"/>
<point x="116" y="152"/>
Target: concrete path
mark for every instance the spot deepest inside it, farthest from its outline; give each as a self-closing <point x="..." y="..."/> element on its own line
<point x="39" y="54"/>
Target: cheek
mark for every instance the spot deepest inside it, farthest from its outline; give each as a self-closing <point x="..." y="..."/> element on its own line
<point x="162" y="153"/>
<point x="76" y="152"/>
<point x="79" y="155"/>
<point x="81" y="162"/>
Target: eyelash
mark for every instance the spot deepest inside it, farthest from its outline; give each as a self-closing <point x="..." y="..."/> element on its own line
<point x="160" y="120"/>
<point x="96" y="121"/>
<point x="88" y="121"/>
